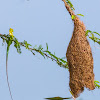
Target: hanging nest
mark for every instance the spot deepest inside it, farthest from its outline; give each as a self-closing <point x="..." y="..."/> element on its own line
<point x="80" y="60"/>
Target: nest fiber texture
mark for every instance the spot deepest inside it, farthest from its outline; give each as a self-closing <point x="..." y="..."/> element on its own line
<point x="80" y="60"/>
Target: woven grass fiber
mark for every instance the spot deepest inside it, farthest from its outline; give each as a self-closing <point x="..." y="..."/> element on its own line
<point x="80" y="60"/>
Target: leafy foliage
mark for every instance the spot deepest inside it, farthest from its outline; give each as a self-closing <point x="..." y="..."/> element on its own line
<point x="73" y="16"/>
<point x="92" y="36"/>
<point x="45" y="53"/>
<point x="70" y="4"/>
<point x="72" y="7"/>
<point x="58" y="98"/>
<point x="96" y="84"/>
<point x="80" y="15"/>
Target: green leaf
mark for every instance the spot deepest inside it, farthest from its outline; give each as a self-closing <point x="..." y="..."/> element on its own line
<point x="97" y="85"/>
<point x="58" y="98"/>
<point x="62" y="60"/>
<point x="70" y="4"/>
<point x="41" y="53"/>
<point x="17" y="45"/>
<point x="73" y="17"/>
<point x="80" y="15"/>
<point x="96" y="33"/>
<point x="47" y="46"/>
<point x="32" y="52"/>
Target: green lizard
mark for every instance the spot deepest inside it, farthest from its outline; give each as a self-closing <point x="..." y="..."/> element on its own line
<point x="9" y="42"/>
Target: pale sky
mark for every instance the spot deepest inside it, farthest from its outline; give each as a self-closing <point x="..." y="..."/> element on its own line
<point x="40" y="22"/>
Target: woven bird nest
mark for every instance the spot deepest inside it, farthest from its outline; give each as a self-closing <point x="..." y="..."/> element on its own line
<point x="80" y="60"/>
